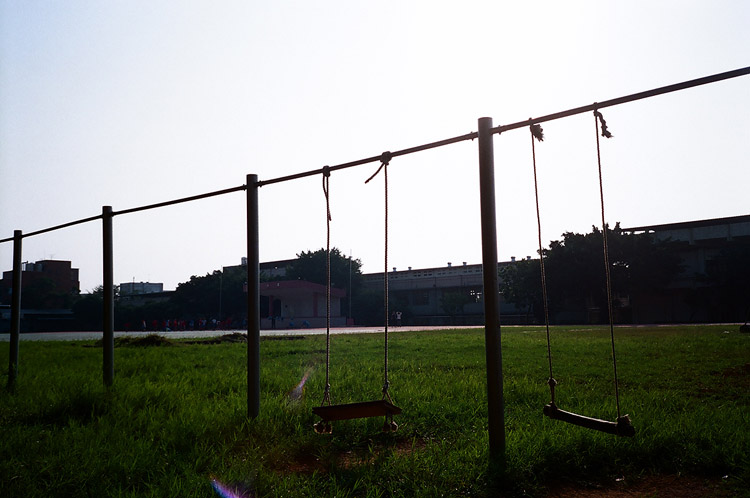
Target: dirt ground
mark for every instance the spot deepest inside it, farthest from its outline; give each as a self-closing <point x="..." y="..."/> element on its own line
<point x="663" y="486"/>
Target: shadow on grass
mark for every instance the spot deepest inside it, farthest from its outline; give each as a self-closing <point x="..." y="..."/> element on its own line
<point x="80" y="408"/>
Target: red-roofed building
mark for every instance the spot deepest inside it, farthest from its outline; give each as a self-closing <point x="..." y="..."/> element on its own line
<point x="298" y="304"/>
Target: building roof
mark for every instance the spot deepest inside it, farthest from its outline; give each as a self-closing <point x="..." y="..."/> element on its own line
<point x="691" y="224"/>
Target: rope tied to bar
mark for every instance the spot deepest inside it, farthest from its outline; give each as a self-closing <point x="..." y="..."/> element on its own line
<point x="537" y="132"/>
<point x="385" y="159"/>
<point x="605" y="131"/>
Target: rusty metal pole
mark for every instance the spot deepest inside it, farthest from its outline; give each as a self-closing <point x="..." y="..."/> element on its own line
<point x="493" y="349"/>
<point x="253" y="299"/>
<point x="15" y="310"/>
<point x="108" y="321"/>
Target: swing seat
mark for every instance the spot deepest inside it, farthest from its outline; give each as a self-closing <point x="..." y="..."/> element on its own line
<point x="622" y="427"/>
<point x="349" y="411"/>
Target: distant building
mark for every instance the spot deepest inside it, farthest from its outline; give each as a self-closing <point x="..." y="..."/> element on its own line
<point x="137" y="294"/>
<point x="298" y="304"/>
<point x="48" y="288"/>
<point x="57" y="278"/>
<point x="447" y="295"/>
<point x="273" y="269"/>
<point x="698" y="243"/>
<point x="134" y="288"/>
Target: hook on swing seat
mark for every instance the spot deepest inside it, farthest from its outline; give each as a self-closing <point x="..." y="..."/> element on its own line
<point x="349" y="411"/>
<point x="621" y="427"/>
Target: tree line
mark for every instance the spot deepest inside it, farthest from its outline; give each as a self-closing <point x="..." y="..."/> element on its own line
<point x="640" y="266"/>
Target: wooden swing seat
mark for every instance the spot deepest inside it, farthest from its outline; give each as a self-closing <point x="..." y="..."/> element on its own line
<point x="349" y="411"/>
<point x="622" y="427"/>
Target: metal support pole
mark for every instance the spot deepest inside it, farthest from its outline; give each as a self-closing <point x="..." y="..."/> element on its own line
<point x="108" y="321"/>
<point x="493" y="350"/>
<point x="253" y="299"/>
<point x="15" y="310"/>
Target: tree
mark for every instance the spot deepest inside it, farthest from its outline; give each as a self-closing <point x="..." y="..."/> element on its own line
<point x="311" y="266"/>
<point x="217" y="295"/>
<point x="576" y="277"/>
<point x="88" y="309"/>
<point x="520" y="284"/>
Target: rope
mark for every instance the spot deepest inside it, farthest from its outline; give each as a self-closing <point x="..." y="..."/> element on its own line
<point x="605" y="133"/>
<point x="537" y="132"/>
<point x="385" y="159"/>
<point x="326" y="190"/>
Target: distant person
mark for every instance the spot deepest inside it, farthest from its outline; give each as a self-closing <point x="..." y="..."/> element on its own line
<point x="398" y="319"/>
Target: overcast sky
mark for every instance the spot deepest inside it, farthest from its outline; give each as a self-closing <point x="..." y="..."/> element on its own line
<point x="127" y="103"/>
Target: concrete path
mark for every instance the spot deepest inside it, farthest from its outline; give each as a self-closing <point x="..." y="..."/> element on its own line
<point x="199" y="334"/>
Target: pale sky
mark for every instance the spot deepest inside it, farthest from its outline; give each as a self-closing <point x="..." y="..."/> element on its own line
<point x="128" y="103"/>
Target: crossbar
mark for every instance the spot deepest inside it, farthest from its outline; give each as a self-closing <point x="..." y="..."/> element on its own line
<point x="622" y="427"/>
<point x="349" y="411"/>
<point x="440" y="143"/>
<point x="627" y="98"/>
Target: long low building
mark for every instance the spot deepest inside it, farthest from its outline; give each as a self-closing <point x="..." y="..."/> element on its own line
<point x="449" y="295"/>
<point x="699" y="244"/>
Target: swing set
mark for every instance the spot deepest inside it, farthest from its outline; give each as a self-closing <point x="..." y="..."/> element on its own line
<point x="384" y="407"/>
<point x="622" y="425"/>
<point x="329" y="412"/>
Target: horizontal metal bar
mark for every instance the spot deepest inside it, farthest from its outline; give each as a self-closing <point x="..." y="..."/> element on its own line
<point x="403" y="152"/>
<point x="179" y="201"/>
<point x="60" y="227"/>
<point x="133" y="210"/>
<point x="628" y="98"/>
<point x="469" y="136"/>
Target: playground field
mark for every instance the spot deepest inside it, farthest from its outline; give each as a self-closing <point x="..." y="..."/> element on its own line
<point x="174" y="423"/>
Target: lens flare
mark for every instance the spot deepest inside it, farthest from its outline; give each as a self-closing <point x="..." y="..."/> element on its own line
<point x="296" y="393"/>
<point x="227" y="492"/>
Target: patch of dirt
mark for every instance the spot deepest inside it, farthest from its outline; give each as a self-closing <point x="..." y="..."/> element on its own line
<point x="242" y="337"/>
<point x="234" y="337"/>
<point x="735" y="382"/>
<point x="145" y="341"/>
<point x="307" y="463"/>
<point x="660" y="486"/>
<point x="742" y="371"/>
<point x="283" y="338"/>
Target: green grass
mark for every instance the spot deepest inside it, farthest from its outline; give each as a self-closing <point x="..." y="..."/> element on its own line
<point x="176" y="417"/>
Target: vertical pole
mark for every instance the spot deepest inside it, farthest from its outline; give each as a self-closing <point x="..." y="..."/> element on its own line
<point x="15" y="310"/>
<point x="493" y="351"/>
<point x="108" y="321"/>
<point x="253" y="299"/>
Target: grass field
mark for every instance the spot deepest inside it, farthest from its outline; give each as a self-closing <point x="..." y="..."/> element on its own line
<point x="175" y="419"/>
